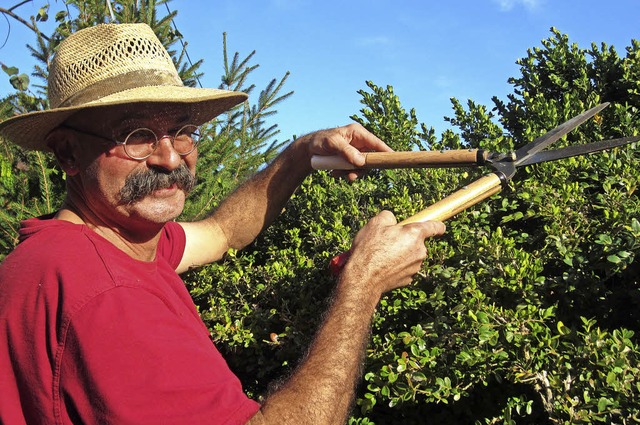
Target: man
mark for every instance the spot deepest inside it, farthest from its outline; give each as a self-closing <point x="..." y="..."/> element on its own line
<point x="95" y="324"/>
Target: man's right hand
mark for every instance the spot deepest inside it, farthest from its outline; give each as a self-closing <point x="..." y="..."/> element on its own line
<point x="385" y="256"/>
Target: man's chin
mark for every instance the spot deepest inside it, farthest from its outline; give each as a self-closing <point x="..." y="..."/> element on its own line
<point x="158" y="207"/>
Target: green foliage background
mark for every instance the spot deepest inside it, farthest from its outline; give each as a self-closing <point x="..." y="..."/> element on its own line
<point x="527" y="310"/>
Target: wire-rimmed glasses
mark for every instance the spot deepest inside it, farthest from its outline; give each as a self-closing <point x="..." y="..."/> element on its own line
<point x="140" y="143"/>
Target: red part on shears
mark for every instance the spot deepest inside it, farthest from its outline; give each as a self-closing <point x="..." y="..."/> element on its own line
<point x="337" y="263"/>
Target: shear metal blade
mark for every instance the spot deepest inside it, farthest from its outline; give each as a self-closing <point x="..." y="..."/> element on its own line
<point x="577" y="150"/>
<point x="552" y="136"/>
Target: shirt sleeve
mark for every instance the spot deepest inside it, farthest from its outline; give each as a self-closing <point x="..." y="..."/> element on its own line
<point x="172" y="243"/>
<point x="129" y="359"/>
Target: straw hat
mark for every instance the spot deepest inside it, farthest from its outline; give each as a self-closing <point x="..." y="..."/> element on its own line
<point x="107" y="65"/>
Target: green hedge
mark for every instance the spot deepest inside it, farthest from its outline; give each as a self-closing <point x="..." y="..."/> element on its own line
<point x="526" y="310"/>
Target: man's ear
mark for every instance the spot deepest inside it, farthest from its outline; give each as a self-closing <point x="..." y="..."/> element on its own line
<point x="63" y="143"/>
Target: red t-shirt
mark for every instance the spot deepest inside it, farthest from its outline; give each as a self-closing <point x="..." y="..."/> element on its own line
<point x="90" y="335"/>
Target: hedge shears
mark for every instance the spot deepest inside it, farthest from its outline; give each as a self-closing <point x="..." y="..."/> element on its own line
<point x="504" y="167"/>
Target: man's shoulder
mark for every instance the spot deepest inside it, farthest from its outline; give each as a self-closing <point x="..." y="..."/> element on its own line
<point x="53" y="268"/>
<point x="47" y="243"/>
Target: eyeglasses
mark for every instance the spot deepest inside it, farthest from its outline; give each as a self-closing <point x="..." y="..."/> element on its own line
<point x="140" y="143"/>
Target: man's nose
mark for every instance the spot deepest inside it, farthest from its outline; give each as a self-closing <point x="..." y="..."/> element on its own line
<point x="165" y="156"/>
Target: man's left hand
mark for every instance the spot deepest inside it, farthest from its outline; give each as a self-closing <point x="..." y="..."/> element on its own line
<point x="348" y="142"/>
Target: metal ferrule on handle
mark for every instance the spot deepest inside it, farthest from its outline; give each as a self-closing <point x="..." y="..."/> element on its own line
<point x="418" y="159"/>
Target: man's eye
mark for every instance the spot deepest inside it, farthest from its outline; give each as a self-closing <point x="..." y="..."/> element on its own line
<point x="189" y="131"/>
<point x="141" y="135"/>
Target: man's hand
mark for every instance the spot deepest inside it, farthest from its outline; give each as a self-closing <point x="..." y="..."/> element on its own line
<point x="348" y="141"/>
<point x="386" y="256"/>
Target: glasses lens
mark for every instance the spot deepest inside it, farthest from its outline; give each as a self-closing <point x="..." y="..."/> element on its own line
<point x="140" y="143"/>
<point x="186" y="139"/>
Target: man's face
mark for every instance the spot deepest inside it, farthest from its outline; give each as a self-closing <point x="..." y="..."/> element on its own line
<point x="120" y="191"/>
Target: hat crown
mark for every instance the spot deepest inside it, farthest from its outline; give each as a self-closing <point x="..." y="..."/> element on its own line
<point x="108" y="58"/>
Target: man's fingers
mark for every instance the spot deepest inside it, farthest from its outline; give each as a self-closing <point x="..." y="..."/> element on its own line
<point x="351" y="154"/>
<point x="350" y="175"/>
<point x="360" y="137"/>
<point x="429" y="229"/>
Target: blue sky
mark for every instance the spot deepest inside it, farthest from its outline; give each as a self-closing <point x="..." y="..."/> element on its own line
<point x="429" y="51"/>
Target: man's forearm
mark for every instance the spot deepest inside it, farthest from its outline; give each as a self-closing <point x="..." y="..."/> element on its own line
<point x="258" y="201"/>
<point x="322" y="388"/>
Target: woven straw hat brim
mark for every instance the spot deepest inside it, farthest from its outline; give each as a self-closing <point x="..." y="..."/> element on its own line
<point x="30" y="130"/>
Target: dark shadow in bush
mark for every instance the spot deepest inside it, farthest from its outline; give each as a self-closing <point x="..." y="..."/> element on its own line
<point x="482" y="402"/>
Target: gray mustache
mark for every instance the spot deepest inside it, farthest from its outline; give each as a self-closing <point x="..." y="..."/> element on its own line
<point x="143" y="183"/>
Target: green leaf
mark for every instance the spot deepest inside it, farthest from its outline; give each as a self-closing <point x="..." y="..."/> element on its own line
<point x="483" y="317"/>
<point x="42" y="15"/>
<point x="20" y="82"/>
<point x="562" y="329"/>
<point x="10" y="70"/>
<point x="614" y="259"/>
<point x="60" y="16"/>
<point x="508" y="335"/>
<point x="603" y="403"/>
<point x="604" y="239"/>
<point x="415" y="350"/>
<point x="418" y="377"/>
<point x="623" y="254"/>
<point x="485" y="333"/>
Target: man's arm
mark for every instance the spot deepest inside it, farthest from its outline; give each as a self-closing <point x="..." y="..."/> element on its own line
<point x="384" y="256"/>
<point x="257" y="202"/>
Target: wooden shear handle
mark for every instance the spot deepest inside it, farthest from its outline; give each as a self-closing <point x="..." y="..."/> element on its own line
<point x="442" y="210"/>
<point x="418" y="159"/>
